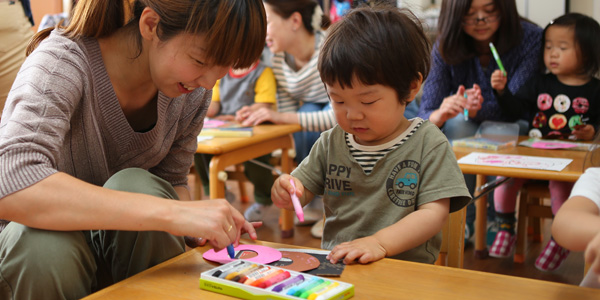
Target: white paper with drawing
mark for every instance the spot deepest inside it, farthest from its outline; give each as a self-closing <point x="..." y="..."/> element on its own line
<point x="515" y="161"/>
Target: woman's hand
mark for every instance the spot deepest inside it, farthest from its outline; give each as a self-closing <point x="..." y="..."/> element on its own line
<point x="498" y="81"/>
<point x="216" y="221"/>
<point x="262" y="115"/>
<point x="474" y="100"/>
<point x="194" y="242"/>
<point x="450" y="108"/>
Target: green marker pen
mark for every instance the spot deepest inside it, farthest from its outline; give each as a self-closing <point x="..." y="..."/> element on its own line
<point x="497" y="58"/>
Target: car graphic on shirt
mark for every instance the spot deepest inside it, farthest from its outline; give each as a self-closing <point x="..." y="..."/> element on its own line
<point x="409" y="179"/>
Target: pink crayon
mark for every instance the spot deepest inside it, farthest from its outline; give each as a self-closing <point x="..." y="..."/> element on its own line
<point x="296" y="202"/>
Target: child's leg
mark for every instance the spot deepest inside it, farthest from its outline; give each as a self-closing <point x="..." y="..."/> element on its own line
<point x="262" y="178"/>
<point x="505" y="198"/>
<point x="201" y="162"/>
<point x="559" y="193"/>
<point x="553" y="254"/>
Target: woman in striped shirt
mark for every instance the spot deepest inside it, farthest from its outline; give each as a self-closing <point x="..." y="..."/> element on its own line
<point x="294" y="35"/>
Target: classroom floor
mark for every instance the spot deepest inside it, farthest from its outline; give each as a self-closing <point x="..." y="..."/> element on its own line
<point x="571" y="272"/>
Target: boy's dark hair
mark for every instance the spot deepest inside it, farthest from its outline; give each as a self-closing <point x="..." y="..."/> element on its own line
<point x="456" y="46"/>
<point x="587" y="40"/>
<point x="376" y="45"/>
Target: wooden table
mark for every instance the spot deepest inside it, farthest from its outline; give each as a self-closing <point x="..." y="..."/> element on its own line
<point x="570" y="173"/>
<point x="229" y="151"/>
<point x="178" y="278"/>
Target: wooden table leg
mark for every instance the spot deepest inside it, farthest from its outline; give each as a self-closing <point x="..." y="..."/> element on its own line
<point x="481" y="250"/>
<point x="287" y="216"/>
<point x="216" y="186"/>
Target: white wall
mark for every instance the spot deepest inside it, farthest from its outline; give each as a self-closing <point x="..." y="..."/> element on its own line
<point x="541" y="12"/>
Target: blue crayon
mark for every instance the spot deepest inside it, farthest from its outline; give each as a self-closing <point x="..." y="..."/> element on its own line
<point x="280" y="287"/>
<point x="230" y="251"/>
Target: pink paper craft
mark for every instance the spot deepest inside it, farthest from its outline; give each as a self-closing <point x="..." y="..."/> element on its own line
<point x="552" y="145"/>
<point x="265" y="255"/>
<point x="212" y="123"/>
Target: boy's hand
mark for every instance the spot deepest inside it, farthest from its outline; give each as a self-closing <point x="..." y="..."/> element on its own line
<point x="498" y="81"/>
<point x="584" y="132"/>
<point x="281" y="190"/>
<point x="363" y="250"/>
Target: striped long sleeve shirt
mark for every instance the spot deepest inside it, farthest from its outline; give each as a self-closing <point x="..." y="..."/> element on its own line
<point x="295" y="87"/>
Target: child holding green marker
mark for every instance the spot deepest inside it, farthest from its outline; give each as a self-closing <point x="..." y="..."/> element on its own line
<point x="563" y="102"/>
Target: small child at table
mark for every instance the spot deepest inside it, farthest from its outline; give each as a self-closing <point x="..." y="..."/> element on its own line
<point x="388" y="183"/>
<point x="563" y="102"/>
<point x="251" y="88"/>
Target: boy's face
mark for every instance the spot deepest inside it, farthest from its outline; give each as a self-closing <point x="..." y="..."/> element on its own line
<point x="372" y="113"/>
<point x="560" y="51"/>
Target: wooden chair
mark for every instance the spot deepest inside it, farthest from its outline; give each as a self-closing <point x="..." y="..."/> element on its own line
<point x="531" y="210"/>
<point x="452" y="251"/>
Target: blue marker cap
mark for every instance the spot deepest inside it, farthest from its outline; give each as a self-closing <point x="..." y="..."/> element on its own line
<point x="230" y="251"/>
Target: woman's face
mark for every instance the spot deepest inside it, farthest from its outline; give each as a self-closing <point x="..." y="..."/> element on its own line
<point x="179" y="65"/>
<point x="482" y="20"/>
<point x="279" y="30"/>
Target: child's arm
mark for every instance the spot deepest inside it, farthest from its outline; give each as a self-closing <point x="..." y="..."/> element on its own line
<point x="213" y="109"/>
<point x="410" y="232"/>
<point x="576" y="223"/>
<point x="282" y="188"/>
<point x="576" y="226"/>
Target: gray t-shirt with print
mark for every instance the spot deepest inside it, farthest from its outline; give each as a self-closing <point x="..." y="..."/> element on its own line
<point x="421" y="170"/>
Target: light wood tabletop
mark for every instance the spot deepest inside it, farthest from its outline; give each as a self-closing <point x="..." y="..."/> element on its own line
<point x="228" y="151"/>
<point x="570" y="173"/>
<point x="178" y="278"/>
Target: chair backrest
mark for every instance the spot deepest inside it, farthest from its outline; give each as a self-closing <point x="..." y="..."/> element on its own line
<point x="452" y="251"/>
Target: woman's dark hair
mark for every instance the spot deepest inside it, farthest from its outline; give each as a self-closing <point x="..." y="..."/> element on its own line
<point x="234" y="29"/>
<point x="306" y="8"/>
<point x="587" y="40"/>
<point x="376" y="45"/>
<point x="456" y="46"/>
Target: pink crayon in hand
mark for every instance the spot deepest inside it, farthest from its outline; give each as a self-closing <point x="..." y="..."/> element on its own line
<point x="296" y="202"/>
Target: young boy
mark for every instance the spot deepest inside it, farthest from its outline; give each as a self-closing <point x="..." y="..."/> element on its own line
<point x="388" y="183"/>
<point x="251" y="89"/>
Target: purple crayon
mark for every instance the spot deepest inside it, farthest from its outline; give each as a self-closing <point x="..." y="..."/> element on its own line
<point x="278" y="288"/>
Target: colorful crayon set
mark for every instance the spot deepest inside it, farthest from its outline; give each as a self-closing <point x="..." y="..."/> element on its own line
<point x="249" y="280"/>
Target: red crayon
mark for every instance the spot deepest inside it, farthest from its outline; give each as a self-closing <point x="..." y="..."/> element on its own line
<point x="277" y="278"/>
<point x="266" y="277"/>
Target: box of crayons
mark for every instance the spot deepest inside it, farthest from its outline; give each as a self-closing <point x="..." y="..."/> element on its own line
<point x="249" y="280"/>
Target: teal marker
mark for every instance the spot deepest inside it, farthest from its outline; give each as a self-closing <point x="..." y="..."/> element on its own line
<point x="497" y="58"/>
<point x="466" y="111"/>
